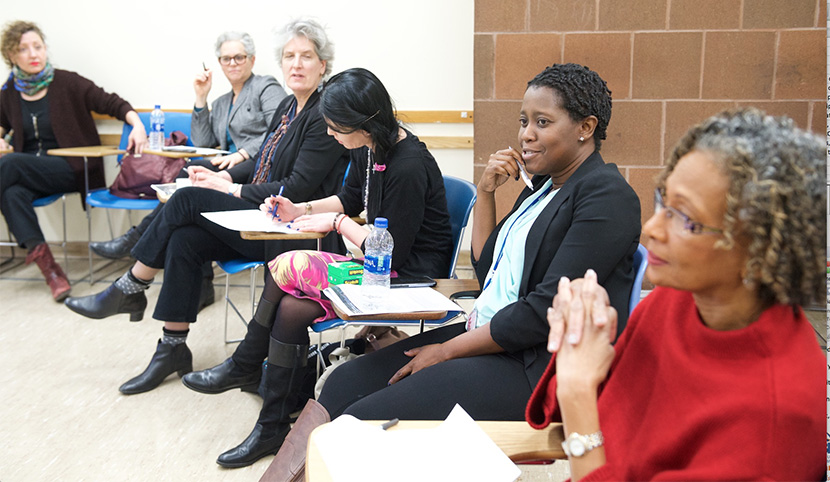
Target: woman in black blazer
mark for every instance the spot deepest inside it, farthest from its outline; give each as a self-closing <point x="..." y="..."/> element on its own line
<point x="297" y="159"/>
<point x="580" y="214"/>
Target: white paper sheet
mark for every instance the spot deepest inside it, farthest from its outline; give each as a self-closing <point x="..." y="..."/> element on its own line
<point x="458" y="449"/>
<point x="398" y="300"/>
<point x="248" y="220"/>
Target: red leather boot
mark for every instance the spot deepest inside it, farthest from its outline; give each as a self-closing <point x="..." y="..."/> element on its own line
<point x="55" y="277"/>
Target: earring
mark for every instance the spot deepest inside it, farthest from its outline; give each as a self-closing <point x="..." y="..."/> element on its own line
<point x="581" y="139"/>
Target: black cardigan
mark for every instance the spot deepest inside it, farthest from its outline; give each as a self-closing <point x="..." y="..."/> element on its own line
<point x="308" y="162"/>
<point x="414" y="201"/>
<point x="592" y="222"/>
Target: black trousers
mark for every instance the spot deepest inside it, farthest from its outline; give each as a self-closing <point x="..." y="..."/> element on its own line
<point x="24" y="178"/>
<point x="488" y="387"/>
<point x="180" y="240"/>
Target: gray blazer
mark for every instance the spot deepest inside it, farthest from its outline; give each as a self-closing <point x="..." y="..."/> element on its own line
<point x="247" y="121"/>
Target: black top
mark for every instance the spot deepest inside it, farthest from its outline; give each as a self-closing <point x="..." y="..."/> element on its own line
<point x="38" y="136"/>
<point x="413" y="200"/>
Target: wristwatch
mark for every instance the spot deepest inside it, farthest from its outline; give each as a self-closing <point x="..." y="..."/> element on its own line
<point x="233" y="188"/>
<point x="307" y="209"/>
<point x="577" y="445"/>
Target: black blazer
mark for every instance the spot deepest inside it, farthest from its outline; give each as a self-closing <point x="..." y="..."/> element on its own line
<point x="308" y="162"/>
<point x="592" y="222"/>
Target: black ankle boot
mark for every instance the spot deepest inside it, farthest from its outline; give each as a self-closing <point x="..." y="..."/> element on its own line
<point x="221" y="379"/>
<point x="243" y="369"/>
<point x="286" y="368"/>
<point x="118" y="247"/>
<point x="167" y="359"/>
<point x="109" y="302"/>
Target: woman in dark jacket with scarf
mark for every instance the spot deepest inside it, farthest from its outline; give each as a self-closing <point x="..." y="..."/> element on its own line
<point x="46" y="108"/>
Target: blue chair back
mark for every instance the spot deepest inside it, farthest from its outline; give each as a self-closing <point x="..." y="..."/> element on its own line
<point x="173" y="121"/>
<point x="461" y="197"/>
<point x="640" y="265"/>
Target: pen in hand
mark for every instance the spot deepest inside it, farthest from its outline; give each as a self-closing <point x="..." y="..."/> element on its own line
<point x="276" y="205"/>
<point x="204" y="66"/>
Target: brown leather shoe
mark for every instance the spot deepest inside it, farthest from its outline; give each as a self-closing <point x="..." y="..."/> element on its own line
<point x="289" y="463"/>
<point x="55" y="277"/>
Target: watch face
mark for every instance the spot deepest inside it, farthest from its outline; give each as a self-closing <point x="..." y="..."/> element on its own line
<point x="577" y="447"/>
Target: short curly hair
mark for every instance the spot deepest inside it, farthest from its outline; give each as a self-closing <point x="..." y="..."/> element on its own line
<point x="776" y="199"/>
<point x="582" y="92"/>
<point x="11" y="38"/>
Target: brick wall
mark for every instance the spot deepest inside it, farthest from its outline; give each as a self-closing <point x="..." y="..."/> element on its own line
<point x="668" y="63"/>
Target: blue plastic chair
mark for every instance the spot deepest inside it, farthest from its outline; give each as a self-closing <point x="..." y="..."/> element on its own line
<point x="640" y="263"/>
<point x="103" y="198"/>
<point x="237" y="266"/>
<point x="461" y="197"/>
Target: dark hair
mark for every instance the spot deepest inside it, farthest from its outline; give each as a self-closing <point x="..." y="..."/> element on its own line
<point x="355" y="99"/>
<point x="11" y="38"/>
<point x="776" y="198"/>
<point x="582" y="93"/>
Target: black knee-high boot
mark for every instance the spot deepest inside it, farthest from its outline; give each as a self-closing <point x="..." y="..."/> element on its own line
<point x="243" y="369"/>
<point x="287" y="365"/>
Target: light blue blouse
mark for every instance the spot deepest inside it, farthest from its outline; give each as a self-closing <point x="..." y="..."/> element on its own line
<point x="501" y="286"/>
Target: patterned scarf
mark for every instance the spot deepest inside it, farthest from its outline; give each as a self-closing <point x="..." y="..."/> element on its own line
<point x="267" y="153"/>
<point x="31" y="84"/>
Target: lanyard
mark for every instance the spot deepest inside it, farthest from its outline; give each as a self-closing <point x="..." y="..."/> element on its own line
<point x="507" y="234"/>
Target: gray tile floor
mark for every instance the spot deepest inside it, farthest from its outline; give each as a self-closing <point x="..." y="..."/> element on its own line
<point x="62" y="417"/>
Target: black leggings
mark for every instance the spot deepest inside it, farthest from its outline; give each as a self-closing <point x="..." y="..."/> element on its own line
<point x="294" y="315"/>
<point x="488" y="387"/>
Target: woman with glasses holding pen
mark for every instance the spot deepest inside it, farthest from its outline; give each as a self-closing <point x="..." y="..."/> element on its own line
<point x="718" y="375"/>
<point x="237" y="122"/>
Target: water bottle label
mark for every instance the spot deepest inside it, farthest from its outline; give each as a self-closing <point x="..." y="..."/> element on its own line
<point x="379" y="265"/>
<point x="157" y="127"/>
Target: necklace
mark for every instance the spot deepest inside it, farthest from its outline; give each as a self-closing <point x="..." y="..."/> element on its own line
<point x="366" y="184"/>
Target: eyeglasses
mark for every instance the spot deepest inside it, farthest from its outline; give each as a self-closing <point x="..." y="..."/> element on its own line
<point x="680" y="220"/>
<point x="239" y="59"/>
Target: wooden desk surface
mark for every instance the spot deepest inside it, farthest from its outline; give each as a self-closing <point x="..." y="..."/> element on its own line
<point x="85" y="151"/>
<point x="259" y="235"/>
<point x="516" y="439"/>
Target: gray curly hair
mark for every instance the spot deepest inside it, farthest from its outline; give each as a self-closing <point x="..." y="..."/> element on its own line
<point x="776" y="199"/>
<point x="247" y="42"/>
<point x="313" y="31"/>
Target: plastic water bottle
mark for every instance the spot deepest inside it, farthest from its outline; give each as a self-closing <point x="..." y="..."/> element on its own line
<point x="156" y="129"/>
<point x="377" y="264"/>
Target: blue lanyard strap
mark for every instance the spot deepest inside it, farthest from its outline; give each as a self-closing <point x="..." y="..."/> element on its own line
<point x="507" y="234"/>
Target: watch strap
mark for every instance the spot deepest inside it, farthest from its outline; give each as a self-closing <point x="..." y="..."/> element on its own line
<point x="589" y="442"/>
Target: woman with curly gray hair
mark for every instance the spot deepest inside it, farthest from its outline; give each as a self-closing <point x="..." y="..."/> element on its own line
<point x="718" y="374"/>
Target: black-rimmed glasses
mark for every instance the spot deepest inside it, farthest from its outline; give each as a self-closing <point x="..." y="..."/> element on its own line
<point x="239" y="59"/>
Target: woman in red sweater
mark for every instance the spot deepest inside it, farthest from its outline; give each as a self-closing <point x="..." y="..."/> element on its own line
<point x="718" y="374"/>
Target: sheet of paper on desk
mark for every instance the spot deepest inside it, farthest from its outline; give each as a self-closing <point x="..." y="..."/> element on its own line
<point x="399" y="300"/>
<point x="248" y="220"/>
<point x="458" y="449"/>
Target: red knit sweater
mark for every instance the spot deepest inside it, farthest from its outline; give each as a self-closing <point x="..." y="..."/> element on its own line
<point x="684" y="402"/>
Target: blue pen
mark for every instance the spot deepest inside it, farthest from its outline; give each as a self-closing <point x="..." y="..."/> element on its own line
<point x="274" y="212"/>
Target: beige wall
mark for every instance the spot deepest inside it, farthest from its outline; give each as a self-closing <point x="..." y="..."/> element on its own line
<point x="423" y="52"/>
<point x="669" y="64"/>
